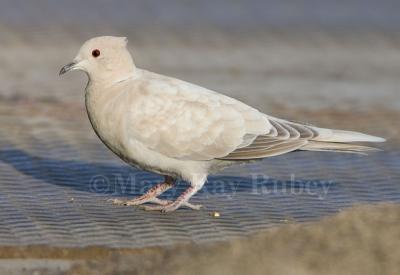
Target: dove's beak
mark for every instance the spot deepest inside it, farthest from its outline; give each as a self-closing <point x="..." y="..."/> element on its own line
<point x="67" y="68"/>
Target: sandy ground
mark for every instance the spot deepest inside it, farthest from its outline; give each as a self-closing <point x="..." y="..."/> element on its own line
<point x="360" y="240"/>
<point x="363" y="240"/>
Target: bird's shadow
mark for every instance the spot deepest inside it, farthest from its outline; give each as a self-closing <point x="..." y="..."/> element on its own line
<point x="125" y="181"/>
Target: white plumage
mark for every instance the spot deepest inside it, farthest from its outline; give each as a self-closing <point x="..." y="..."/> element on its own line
<point x="179" y="129"/>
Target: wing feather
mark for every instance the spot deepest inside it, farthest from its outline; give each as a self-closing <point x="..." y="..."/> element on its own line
<point x="284" y="136"/>
<point x="184" y="121"/>
<point x="282" y="132"/>
<point x="279" y="148"/>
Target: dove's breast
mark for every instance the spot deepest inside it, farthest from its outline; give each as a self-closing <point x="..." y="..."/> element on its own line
<point x="110" y="113"/>
<point x="106" y="116"/>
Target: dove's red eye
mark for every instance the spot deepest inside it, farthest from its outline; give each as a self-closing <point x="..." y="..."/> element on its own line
<point x="96" y="53"/>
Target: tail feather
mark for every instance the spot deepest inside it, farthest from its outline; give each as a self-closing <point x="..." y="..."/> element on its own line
<point x="338" y="147"/>
<point x="328" y="135"/>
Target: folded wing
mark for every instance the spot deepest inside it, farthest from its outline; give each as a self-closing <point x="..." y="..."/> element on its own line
<point x="185" y="121"/>
<point x="286" y="136"/>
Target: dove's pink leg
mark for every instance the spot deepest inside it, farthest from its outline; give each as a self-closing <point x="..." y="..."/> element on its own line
<point x="182" y="200"/>
<point x="150" y="195"/>
<point x="166" y="202"/>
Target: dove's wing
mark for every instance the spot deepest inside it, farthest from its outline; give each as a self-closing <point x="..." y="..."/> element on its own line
<point x="286" y="136"/>
<point x="185" y="121"/>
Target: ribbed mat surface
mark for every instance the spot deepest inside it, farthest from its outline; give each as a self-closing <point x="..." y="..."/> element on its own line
<point x="55" y="180"/>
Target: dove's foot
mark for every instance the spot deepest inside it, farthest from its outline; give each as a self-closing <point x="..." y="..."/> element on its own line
<point x="150" y="195"/>
<point x="167" y="206"/>
<point x="161" y="203"/>
<point x="170" y="206"/>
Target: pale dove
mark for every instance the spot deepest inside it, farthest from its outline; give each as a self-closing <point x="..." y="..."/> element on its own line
<point x="181" y="130"/>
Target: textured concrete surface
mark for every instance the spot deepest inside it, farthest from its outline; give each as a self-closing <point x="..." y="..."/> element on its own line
<point x="359" y="240"/>
<point x="362" y="240"/>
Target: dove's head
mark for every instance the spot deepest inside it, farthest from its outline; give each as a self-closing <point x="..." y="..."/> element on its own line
<point x="103" y="58"/>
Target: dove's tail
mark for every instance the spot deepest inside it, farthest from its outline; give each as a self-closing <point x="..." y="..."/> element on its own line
<point x="338" y="147"/>
<point x="341" y="141"/>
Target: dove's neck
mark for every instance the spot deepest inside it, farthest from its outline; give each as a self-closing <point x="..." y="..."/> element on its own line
<point x="105" y="81"/>
<point x="119" y="69"/>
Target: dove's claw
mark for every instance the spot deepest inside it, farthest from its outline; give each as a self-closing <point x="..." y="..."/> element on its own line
<point x="150" y="195"/>
<point x="163" y="205"/>
<point x="183" y="199"/>
<point x="160" y="207"/>
<point x="168" y="202"/>
<point x="168" y="206"/>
